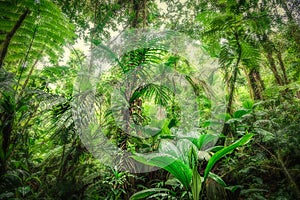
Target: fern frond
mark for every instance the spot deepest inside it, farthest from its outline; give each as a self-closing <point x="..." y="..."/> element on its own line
<point x="45" y="23"/>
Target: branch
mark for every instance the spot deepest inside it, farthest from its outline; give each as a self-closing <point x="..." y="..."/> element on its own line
<point x="10" y="35"/>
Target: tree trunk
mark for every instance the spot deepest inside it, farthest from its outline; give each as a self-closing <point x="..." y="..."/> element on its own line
<point x="247" y="75"/>
<point x="255" y="83"/>
<point x="226" y="127"/>
<point x="274" y="68"/>
<point x="261" y="82"/>
<point x="136" y="11"/>
<point x="269" y="49"/>
<point x="28" y="76"/>
<point x="282" y="67"/>
<point x="139" y="13"/>
<point x="234" y="76"/>
<point x="10" y="35"/>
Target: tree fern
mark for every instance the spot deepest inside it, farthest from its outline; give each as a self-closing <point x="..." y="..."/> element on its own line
<point x="43" y="32"/>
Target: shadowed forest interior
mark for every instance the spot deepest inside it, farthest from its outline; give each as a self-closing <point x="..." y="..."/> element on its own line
<point x="150" y="99"/>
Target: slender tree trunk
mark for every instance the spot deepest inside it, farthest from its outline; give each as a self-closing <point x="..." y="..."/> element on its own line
<point x="298" y="94"/>
<point x="282" y="67"/>
<point x="10" y="35"/>
<point x="226" y="128"/>
<point x="28" y="76"/>
<point x="26" y="56"/>
<point x="256" y="84"/>
<point x="274" y="68"/>
<point x="247" y="75"/>
<point x="234" y="76"/>
<point x="232" y="88"/>
<point x="136" y="11"/>
<point x="261" y="82"/>
<point x="269" y="49"/>
<point x="139" y="13"/>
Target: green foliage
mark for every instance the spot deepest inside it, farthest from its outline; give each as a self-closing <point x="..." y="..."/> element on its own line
<point x="275" y="130"/>
<point x="43" y="32"/>
<point x="148" y="193"/>
<point x="196" y="183"/>
<point x="257" y="44"/>
<point x="221" y="153"/>
<point x="173" y="158"/>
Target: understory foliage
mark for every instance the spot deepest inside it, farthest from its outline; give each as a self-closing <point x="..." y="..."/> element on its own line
<point x="256" y="153"/>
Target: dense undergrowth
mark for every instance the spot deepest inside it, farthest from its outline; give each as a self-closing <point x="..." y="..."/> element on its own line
<point x="255" y="155"/>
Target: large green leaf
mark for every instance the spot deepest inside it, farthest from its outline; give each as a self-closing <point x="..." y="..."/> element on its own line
<point x="219" y="154"/>
<point x="171" y="164"/>
<point x="172" y="158"/>
<point x="169" y="148"/>
<point x="241" y="113"/>
<point x="205" y="139"/>
<point x="185" y="146"/>
<point x="196" y="184"/>
<point x="217" y="178"/>
<point x="200" y="141"/>
<point x="148" y="192"/>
